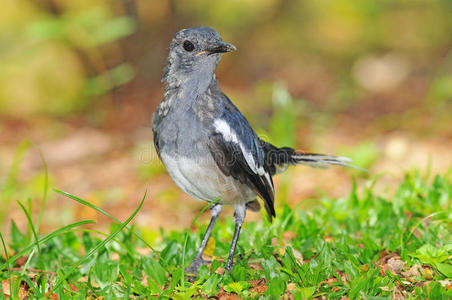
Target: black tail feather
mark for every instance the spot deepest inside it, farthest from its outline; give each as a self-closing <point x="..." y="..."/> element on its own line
<point x="278" y="159"/>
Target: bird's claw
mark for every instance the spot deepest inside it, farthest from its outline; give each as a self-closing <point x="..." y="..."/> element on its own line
<point x="229" y="267"/>
<point x="195" y="265"/>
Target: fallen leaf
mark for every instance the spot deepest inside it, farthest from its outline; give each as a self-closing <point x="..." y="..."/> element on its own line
<point x="261" y="289"/>
<point x="22" y="260"/>
<point x="412" y="273"/>
<point x="328" y="239"/>
<point x="397" y="294"/>
<point x="329" y="281"/>
<point x="73" y="287"/>
<point x="223" y="295"/>
<point x="289" y="235"/>
<point x="220" y="271"/>
<point x="385" y="256"/>
<point x="144" y="251"/>
<point x="390" y="262"/>
<point x="445" y="283"/>
<point x="114" y="256"/>
<point x="282" y="251"/>
<point x="298" y="256"/>
<point x="396" y="265"/>
<point x="54" y="296"/>
<point x="427" y="273"/>
<point x="344" y="276"/>
<point x="6" y="288"/>
<point x="256" y="266"/>
<point x="291" y="286"/>
<point x="364" y="268"/>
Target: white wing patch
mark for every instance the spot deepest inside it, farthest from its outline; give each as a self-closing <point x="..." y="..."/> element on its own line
<point x="230" y="136"/>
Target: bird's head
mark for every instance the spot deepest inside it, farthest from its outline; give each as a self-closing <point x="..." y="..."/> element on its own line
<point x="194" y="52"/>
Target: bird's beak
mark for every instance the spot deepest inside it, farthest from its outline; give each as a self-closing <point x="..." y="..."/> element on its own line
<point x="221" y="47"/>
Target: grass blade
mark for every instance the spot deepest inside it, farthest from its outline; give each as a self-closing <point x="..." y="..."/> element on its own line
<point x="106" y="235"/>
<point x="99" y="246"/>
<point x="98" y="209"/>
<point x="30" y="222"/>
<point x="45" y="239"/>
<point x="45" y="191"/>
<point x="6" y="258"/>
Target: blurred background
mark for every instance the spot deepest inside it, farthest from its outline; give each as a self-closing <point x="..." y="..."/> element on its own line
<point x="79" y="81"/>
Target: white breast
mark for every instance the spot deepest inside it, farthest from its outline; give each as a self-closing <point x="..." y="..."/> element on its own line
<point x="203" y="180"/>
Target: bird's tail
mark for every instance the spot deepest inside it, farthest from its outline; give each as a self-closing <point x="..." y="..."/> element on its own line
<point x="279" y="159"/>
<point x="322" y="161"/>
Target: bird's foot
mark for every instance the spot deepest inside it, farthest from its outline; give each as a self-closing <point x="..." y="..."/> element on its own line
<point x="195" y="265"/>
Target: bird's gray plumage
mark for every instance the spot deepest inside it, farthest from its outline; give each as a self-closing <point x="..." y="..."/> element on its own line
<point x="185" y="130"/>
<point x="207" y="145"/>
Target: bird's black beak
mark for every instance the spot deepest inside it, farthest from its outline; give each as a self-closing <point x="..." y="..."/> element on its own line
<point x="221" y="47"/>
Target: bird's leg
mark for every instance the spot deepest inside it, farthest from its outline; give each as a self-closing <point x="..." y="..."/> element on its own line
<point x="239" y="217"/>
<point x="197" y="262"/>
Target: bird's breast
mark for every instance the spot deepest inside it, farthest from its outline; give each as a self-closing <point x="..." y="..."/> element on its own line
<point x="202" y="179"/>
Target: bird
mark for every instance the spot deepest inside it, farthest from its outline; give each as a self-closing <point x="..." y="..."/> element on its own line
<point x="208" y="147"/>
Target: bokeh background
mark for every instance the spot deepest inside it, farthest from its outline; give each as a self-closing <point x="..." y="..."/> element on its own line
<point x="79" y="80"/>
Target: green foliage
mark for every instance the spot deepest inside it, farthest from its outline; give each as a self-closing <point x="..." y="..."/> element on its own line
<point x="363" y="155"/>
<point x="332" y="251"/>
<point x="57" y="56"/>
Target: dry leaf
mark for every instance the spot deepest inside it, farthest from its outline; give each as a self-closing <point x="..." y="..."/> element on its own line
<point x="6" y="288"/>
<point x="114" y="256"/>
<point x="398" y="294"/>
<point x="220" y="271"/>
<point x="364" y="268"/>
<point x="144" y="251"/>
<point x="261" y="289"/>
<point x="390" y="262"/>
<point x="328" y="239"/>
<point x="412" y="273"/>
<point x="282" y="251"/>
<point x="291" y="286"/>
<point x="427" y="273"/>
<point x="222" y="295"/>
<point x="258" y="286"/>
<point x="22" y="260"/>
<point x="395" y="265"/>
<point x="329" y="281"/>
<point x="256" y="266"/>
<point x="298" y="256"/>
<point x="53" y="296"/>
<point x="289" y="235"/>
<point x="445" y="283"/>
<point x="344" y="276"/>
<point x="73" y="287"/>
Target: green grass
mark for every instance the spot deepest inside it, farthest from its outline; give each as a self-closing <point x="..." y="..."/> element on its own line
<point x="341" y="247"/>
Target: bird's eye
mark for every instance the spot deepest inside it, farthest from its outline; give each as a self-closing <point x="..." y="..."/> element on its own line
<point x="188" y="46"/>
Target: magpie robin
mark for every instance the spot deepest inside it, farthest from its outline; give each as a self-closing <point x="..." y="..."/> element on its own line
<point x="207" y="145"/>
